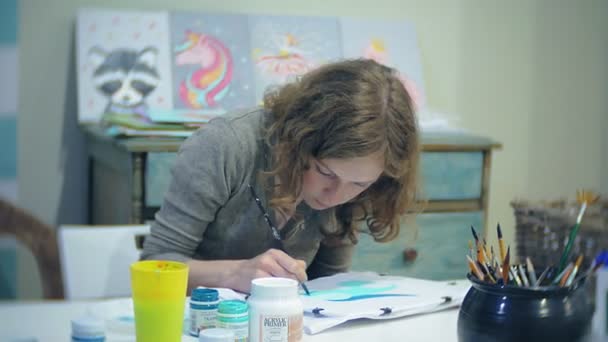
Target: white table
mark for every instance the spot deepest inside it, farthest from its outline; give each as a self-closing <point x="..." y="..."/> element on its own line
<point x="50" y="321"/>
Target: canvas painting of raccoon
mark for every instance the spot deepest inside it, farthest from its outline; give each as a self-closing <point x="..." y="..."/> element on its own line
<point x="125" y="77"/>
<point x="123" y="63"/>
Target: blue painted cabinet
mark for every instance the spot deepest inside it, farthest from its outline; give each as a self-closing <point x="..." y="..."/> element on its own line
<point x="439" y="239"/>
<point x="130" y="176"/>
<point x="451" y="175"/>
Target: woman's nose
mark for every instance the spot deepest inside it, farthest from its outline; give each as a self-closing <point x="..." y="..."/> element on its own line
<point x="334" y="193"/>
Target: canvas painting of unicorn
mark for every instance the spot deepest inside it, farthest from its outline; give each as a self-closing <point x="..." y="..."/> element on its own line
<point x="211" y="66"/>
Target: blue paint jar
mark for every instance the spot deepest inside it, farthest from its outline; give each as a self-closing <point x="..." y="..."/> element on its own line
<point x="88" y="329"/>
<point x="234" y="315"/>
<point x="203" y="309"/>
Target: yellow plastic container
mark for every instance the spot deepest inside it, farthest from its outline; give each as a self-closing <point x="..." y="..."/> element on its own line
<point x="159" y="298"/>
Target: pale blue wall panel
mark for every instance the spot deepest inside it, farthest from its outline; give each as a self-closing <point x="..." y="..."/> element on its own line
<point x="8" y="22"/>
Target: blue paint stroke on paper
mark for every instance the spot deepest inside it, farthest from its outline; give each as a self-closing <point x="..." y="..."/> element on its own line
<point x="357" y="290"/>
<point x="361" y="297"/>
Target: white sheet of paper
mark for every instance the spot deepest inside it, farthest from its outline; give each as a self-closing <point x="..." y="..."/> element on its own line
<point x="347" y="296"/>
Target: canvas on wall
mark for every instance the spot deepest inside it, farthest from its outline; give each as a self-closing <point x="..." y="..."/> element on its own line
<point x="190" y="66"/>
<point x="286" y="46"/>
<point x="392" y="43"/>
<point x="211" y="62"/>
<point x="123" y="62"/>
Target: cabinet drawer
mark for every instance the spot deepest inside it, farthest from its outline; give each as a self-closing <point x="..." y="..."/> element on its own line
<point x="451" y="175"/>
<point x="158" y="176"/>
<point x="441" y="241"/>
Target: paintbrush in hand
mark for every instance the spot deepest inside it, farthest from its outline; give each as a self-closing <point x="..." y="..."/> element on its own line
<point x="273" y="228"/>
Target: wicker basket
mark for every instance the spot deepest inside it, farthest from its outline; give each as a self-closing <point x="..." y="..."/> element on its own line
<point x="542" y="230"/>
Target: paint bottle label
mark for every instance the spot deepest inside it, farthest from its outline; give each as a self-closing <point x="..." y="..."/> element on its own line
<point x="280" y="328"/>
<point x="202" y="319"/>
<point x="240" y="329"/>
<point x="203" y="309"/>
<point x="276" y="312"/>
<point x="234" y="315"/>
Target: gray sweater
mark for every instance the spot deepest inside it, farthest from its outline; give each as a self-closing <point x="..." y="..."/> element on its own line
<point x="208" y="212"/>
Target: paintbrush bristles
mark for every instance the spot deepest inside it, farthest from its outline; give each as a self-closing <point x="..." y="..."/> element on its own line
<point x="474" y="234"/>
<point x="480" y="253"/>
<point x="585" y="196"/>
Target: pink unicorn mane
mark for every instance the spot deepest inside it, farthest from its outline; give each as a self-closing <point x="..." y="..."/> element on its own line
<point x="209" y="83"/>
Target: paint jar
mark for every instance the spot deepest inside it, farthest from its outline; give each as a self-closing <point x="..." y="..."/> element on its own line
<point x="203" y="309"/>
<point x="216" y="335"/>
<point x="275" y="310"/>
<point x="234" y="315"/>
<point x="88" y="329"/>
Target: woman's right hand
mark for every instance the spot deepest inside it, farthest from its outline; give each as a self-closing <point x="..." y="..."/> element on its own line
<point x="272" y="263"/>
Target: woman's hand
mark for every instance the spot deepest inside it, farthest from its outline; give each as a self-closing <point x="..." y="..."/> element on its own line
<point x="272" y="263"/>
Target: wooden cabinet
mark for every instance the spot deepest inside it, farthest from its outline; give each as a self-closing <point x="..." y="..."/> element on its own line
<point x="128" y="178"/>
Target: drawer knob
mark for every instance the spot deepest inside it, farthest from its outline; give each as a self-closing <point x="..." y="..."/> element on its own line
<point x="410" y="255"/>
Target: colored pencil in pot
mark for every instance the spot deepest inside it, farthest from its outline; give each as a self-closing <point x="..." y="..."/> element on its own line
<point x="522" y="275"/>
<point x="480" y="254"/>
<point x="575" y="269"/>
<point x="485" y="250"/>
<point x="543" y="276"/>
<point x="563" y="274"/>
<point x="474" y="269"/>
<point x="486" y="272"/>
<point x="531" y="271"/>
<point x="514" y="275"/>
<point x="505" y="266"/>
<point x="498" y="273"/>
<point x="501" y="243"/>
<point x="493" y="257"/>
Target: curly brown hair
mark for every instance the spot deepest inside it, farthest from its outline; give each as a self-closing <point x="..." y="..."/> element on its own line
<point x="347" y="109"/>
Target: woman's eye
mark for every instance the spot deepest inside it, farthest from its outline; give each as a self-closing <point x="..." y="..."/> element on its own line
<point x="324" y="173"/>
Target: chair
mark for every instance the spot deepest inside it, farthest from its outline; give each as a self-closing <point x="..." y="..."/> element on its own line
<point x="95" y="259"/>
<point x="40" y="239"/>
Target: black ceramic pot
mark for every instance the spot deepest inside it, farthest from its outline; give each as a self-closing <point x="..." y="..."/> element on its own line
<point x="508" y="313"/>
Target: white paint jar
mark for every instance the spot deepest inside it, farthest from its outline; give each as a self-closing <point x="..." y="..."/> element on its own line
<point x="275" y="311"/>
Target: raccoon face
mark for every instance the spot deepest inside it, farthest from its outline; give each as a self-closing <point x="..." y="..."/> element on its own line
<point x="125" y="76"/>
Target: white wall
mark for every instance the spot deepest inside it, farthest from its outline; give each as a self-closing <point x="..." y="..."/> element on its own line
<point x="515" y="71"/>
<point x="567" y="128"/>
<point x="604" y="174"/>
